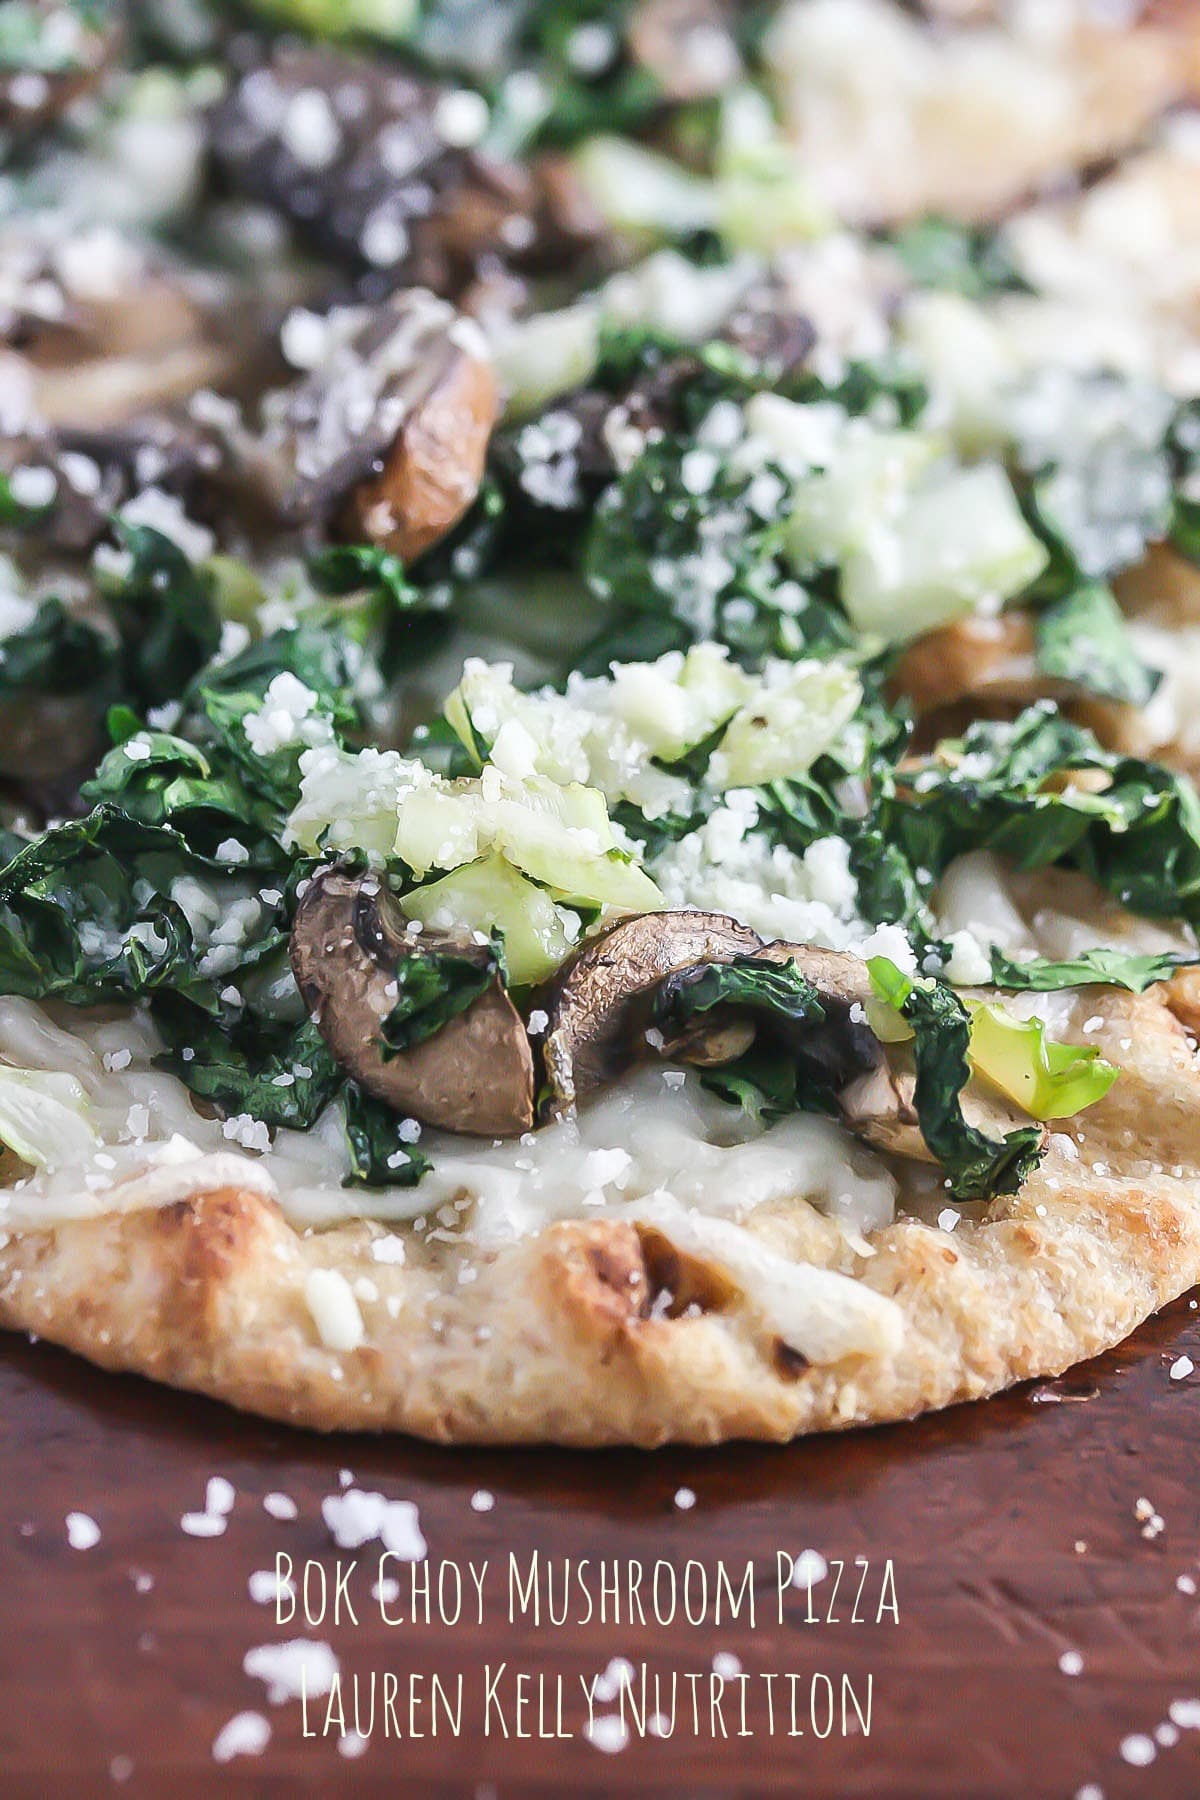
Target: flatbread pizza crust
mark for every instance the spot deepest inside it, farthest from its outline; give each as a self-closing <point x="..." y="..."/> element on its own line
<point x="567" y="1336"/>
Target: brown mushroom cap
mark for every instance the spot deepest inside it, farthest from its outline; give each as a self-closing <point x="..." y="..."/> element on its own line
<point x="601" y="999"/>
<point x="976" y="666"/>
<point x="433" y="470"/>
<point x="379" y="183"/>
<point x="474" y="1075"/>
<point x="387" y="437"/>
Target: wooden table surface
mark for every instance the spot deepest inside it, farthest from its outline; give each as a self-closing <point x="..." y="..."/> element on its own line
<point x="1011" y="1527"/>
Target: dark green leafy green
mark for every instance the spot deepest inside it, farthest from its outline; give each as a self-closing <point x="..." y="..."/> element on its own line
<point x="977" y="1167"/>
<point x="707" y="558"/>
<point x="1109" y="968"/>
<point x="1083" y="639"/>
<point x="379" y="1156"/>
<point x="165" y="618"/>
<point x="178" y="890"/>
<point x="763" y="1083"/>
<point x="434" y="987"/>
<point x="57" y="654"/>
<point x="1041" y="791"/>
<point x="365" y="569"/>
<point x="964" y="259"/>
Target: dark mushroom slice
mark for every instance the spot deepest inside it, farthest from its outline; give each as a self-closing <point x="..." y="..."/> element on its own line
<point x="59" y="52"/>
<point x="375" y="168"/>
<point x="473" y="1075"/>
<point x="387" y="436"/>
<point x="100" y="327"/>
<point x="96" y="472"/>
<point x="975" y="668"/>
<point x="840" y="1049"/>
<point x="601" y="1003"/>
<point x="981" y="668"/>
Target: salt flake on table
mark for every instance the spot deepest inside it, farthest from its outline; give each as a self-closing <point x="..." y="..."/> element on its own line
<point x="266" y="1587"/>
<point x="203" y="1524"/>
<point x="809" y="1568"/>
<point x="219" y="1495"/>
<point x="355" y="1518"/>
<point x="246" y="1734"/>
<point x="299" y="1665"/>
<point x="83" y="1533"/>
<point x="608" y="1733"/>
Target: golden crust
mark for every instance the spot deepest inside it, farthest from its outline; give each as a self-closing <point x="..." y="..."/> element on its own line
<point x="559" y="1338"/>
<point x="975" y="150"/>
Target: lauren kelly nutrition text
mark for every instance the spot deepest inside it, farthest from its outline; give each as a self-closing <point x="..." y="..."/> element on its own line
<point x="501" y="1700"/>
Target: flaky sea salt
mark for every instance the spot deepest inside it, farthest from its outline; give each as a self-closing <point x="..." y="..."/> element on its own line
<point x="83" y="1533"/>
<point x="219" y="1495"/>
<point x="809" y="1568"/>
<point x="609" y="1733"/>
<point x="355" y="1518"/>
<point x="246" y="1734"/>
<point x="202" y="1524"/>
<point x="288" y="1669"/>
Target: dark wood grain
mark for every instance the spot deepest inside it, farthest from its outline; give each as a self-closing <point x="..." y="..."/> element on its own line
<point x="108" y="1688"/>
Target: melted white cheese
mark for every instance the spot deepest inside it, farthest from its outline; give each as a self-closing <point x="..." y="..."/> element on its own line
<point x="656" y="1149"/>
<point x="658" y="1133"/>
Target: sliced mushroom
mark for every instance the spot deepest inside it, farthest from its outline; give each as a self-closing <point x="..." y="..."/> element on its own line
<point x="376" y="168"/>
<point x="987" y="669"/>
<point x="841" y="1049"/>
<point x="474" y="1075"/>
<point x="600" y="1004"/>
<point x="975" y="658"/>
<point x="99" y="326"/>
<point x="95" y="472"/>
<point x="387" y="436"/>
<point x="603" y="1006"/>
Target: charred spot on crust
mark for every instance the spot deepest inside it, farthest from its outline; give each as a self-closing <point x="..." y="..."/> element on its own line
<point x="789" y="1363"/>
<point x="678" y="1283"/>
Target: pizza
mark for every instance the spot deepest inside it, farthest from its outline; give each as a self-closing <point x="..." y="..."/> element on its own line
<point x="600" y="682"/>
